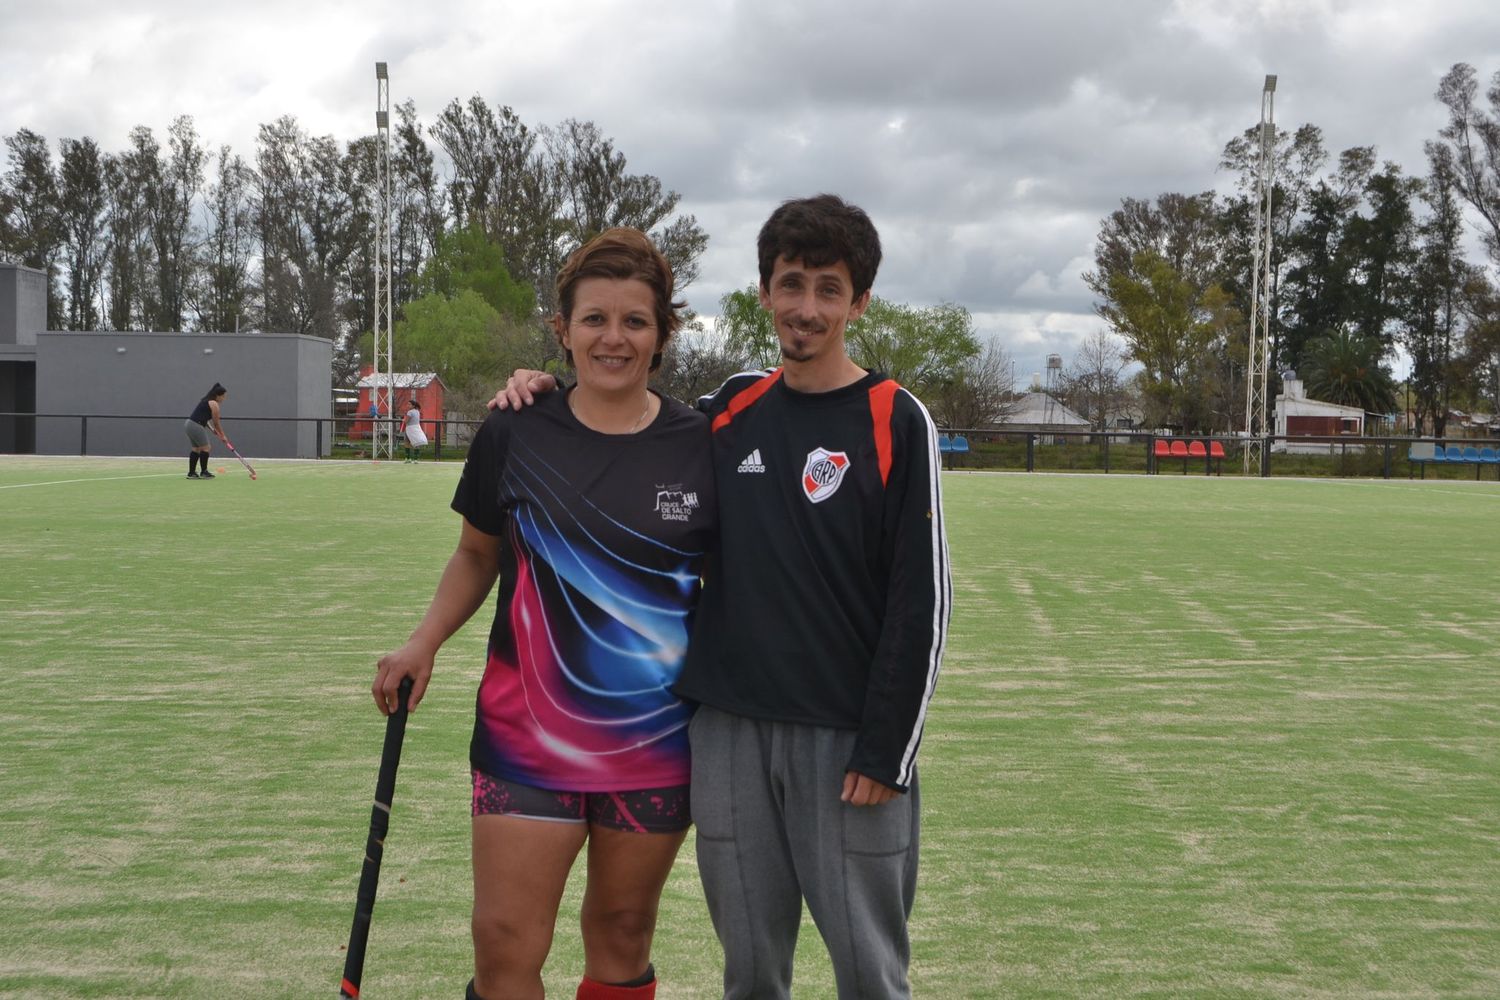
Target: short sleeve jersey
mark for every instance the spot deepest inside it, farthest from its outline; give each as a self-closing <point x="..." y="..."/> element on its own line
<point x="602" y="539"/>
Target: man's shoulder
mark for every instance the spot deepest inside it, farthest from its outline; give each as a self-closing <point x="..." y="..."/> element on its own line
<point x="902" y="403"/>
<point x="732" y="386"/>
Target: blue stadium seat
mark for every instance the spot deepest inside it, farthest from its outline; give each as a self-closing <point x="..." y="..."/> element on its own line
<point x="944" y="445"/>
<point x="1489" y="456"/>
<point x="1438" y="454"/>
<point x="960" y="444"/>
<point x="1419" y="454"/>
<point x="1471" y="454"/>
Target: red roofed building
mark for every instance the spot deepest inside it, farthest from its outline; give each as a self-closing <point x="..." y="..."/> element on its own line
<point x="425" y="387"/>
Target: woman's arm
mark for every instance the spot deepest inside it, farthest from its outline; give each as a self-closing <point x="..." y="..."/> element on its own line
<point x="213" y="418"/>
<point x="466" y="582"/>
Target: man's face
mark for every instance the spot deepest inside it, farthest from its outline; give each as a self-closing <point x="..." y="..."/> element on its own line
<point x="811" y="307"/>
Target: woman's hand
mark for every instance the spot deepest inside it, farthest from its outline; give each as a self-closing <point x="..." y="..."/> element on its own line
<point x="412" y="660"/>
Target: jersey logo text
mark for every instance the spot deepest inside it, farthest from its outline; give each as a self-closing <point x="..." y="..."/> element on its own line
<point x="752" y="463"/>
<point x="676" y="504"/>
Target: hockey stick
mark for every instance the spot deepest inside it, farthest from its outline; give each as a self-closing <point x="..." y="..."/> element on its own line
<point x="380" y="815"/>
<point x="240" y="457"/>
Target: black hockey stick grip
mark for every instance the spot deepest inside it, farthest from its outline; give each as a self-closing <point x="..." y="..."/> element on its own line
<point x="380" y="818"/>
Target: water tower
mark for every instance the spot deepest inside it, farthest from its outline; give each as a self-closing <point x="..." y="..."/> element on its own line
<point x="1054" y="385"/>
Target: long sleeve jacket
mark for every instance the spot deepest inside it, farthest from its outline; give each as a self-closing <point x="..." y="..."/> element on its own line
<point x="828" y="601"/>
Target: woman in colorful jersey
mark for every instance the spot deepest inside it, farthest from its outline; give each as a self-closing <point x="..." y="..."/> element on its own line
<point x="594" y="509"/>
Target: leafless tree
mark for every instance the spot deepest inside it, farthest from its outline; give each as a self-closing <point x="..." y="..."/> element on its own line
<point x="1093" y="383"/>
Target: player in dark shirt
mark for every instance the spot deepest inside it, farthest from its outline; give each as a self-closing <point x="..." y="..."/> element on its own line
<point x="205" y="417"/>
<point x="595" y="512"/>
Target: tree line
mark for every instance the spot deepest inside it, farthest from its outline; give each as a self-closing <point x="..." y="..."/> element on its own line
<point x="1366" y="259"/>
<point x="167" y="235"/>
<point x="174" y="237"/>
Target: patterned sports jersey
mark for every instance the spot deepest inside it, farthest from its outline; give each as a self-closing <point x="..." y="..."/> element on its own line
<point x="827" y="603"/>
<point x="602" y="538"/>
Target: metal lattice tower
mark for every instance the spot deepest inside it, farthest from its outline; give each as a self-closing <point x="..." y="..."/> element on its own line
<point x="382" y="392"/>
<point x="1257" y="368"/>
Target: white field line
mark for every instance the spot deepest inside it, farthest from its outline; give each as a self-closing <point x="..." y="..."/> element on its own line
<point x="267" y="463"/>
<point x="1433" y="486"/>
<point x="90" y="479"/>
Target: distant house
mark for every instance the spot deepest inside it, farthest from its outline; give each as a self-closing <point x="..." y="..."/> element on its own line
<point x="1298" y="416"/>
<point x="1037" y="411"/>
<point x="1476" y="424"/>
<point x="425" y="387"/>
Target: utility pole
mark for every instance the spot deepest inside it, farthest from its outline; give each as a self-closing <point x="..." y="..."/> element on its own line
<point x="382" y="391"/>
<point x="1258" y="367"/>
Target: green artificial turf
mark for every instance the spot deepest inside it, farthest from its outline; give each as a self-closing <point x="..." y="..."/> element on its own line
<point x="1194" y="738"/>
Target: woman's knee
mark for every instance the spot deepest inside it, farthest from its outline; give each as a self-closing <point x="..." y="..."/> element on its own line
<point x="621" y="931"/>
<point x="507" y="943"/>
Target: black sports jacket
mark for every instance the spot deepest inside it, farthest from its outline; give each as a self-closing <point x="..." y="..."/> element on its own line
<point x="828" y="601"/>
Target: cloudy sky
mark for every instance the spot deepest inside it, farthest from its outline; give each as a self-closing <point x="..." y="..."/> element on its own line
<point x="986" y="138"/>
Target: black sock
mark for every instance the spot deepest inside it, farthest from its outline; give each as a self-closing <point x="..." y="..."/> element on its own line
<point x="202" y="462"/>
<point x="641" y="980"/>
<point x="192" y="463"/>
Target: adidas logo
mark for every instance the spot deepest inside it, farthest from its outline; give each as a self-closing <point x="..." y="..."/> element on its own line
<point x="752" y="463"/>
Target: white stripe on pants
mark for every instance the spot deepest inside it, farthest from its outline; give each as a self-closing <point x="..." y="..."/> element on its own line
<point x="772" y="832"/>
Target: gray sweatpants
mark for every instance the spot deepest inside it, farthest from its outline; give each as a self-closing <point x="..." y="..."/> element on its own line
<point x="772" y="832"/>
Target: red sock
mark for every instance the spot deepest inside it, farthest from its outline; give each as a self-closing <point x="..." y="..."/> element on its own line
<point x="592" y="989"/>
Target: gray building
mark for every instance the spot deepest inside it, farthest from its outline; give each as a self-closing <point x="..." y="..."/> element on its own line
<point x="23" y="312"/>
<point x="127" y="393"/>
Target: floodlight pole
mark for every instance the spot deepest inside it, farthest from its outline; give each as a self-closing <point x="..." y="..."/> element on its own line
<point x="382" y="391"/>
<point x="1258" y="362"/>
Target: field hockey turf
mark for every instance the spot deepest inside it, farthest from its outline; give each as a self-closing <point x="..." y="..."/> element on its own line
<point x="1194" y="738"/>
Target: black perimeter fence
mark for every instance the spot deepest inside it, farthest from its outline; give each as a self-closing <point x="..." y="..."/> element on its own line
<point x="1343" y="456"/>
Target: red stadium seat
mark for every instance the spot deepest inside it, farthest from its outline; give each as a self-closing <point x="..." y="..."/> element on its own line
<point x="1215" y="450"/>
<point x="1180" y="450"/>
<point x="1159" y="451"/>
<point x="1196" y="449"/>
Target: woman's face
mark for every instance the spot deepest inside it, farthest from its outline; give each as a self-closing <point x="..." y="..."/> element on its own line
<point x="612" y="333"/>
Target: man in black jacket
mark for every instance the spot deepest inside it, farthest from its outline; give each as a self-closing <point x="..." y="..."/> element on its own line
<point x="820" y="632"/>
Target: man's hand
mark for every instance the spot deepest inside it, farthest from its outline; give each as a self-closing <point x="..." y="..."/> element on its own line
<point x="860" y="790"/>
<point x="522" y="388"/>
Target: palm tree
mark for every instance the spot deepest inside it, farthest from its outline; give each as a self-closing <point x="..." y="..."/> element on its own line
<point x="1344" y="367"/>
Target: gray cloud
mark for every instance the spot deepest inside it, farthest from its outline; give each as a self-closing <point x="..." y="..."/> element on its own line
<point x="987" y="140"/>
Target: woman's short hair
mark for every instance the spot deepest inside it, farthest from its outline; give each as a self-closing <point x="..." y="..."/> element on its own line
<point x="623" y="253"/>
